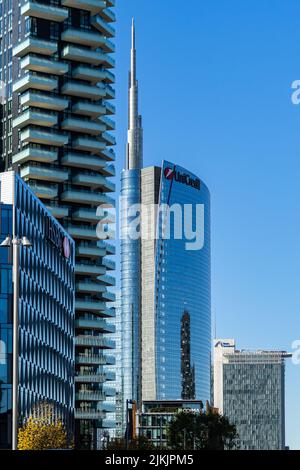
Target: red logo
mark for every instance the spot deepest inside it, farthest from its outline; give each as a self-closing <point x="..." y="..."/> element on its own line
<point x="66" y="247"/>
<point x="169" y="173"/>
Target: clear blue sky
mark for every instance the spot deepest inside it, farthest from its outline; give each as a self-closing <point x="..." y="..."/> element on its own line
<point x="215" y="85"/>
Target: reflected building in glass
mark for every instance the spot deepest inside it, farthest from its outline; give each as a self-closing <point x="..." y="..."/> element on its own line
<point x="46" y="308"/>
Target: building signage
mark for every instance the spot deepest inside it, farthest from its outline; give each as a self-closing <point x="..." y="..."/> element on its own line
<point x="183" y="178"/>
<point x="54" y="235"/>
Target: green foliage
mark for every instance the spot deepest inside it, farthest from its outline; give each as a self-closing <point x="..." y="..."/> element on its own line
<point x="201" y="431"/>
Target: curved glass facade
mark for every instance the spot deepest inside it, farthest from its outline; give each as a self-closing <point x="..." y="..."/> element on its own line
<point x="130" y="286"/>
<point x="182" y="293"/>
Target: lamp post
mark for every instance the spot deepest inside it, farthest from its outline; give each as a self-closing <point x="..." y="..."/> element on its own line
<point x="15" y="244"/>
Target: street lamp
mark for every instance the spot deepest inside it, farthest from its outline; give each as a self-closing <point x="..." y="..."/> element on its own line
<point x="15" y="244"/>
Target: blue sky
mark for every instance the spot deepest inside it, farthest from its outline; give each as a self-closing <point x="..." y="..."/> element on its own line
<point x="215" y="93"/>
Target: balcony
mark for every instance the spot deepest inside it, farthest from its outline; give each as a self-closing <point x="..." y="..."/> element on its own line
<point x="82" y="160"/>
<point x="83" y="72"/>
<point x="36" y="118"/>
<point x="85" y="287"/>
<point x="83" y="91"/>
<point x="109" y="280"/>
<point x="85" y="38"/>
<point x="43" y="191"/>
<point x="108" y="423"/>
<point x="34" y="154"/>
<point x="89" y="270"/>
<point x="108" y="138"/>
<point x="36" y="136"/>
<point x="86" y="215"/>
<point x="108" y="15"/>
<point x="110" y="93"/>
<point x="85" y="126"/>
<point x="89" y="144"/>
<point x="110" y="3"/>
<point x="90" y="396"/>
<point x="110" y="296"/>
<point x="38" y="82"/>
<point x="110" y="108"/>
<point x="88" y="109"/>
<point x="109" y="123"/>
<point x="87" y="197"/>
<point x="40" y="64"/>
<point x="95" y="342"/>
<point x="88" y="56"/>
<point x="92" y="378"/>
<point x="93" y="414"/>
<point x="44" y="11"/>
<point x="90" y="252"/>
<point x="82" y="233"/>
<point x="103" y="26"/>
<point x="109" y="264"/>
<point x="36" y="46"/>
<point x="94" y="324"/>
<point x="93" y="181"/>
<point x="107" y="406"/>
<point x="90" y="306"/>
<point x="44" y="173"/>
<point x="58" y="212"/>
<point x="109" y="170"/>
<point x="40" y="100"/>
<point x="93" y="6"/>
<point x="94" y="359"/>
<point x="110" y="249"/>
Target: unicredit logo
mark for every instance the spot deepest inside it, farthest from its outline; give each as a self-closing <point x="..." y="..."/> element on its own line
<point x="183" y="178"/>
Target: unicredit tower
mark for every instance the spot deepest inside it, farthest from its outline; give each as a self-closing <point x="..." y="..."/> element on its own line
<point x="165" y="275"/>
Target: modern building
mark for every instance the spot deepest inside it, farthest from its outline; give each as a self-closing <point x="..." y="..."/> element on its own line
<point x="249" y="388"/>
<point x="165" y="275"/>
<point x="46" y="309"/>
<point x="156" y="416"/>
<point x="58" y="74"/>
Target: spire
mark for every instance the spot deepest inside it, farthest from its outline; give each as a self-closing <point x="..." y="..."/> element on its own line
<point x="135" y="131"/>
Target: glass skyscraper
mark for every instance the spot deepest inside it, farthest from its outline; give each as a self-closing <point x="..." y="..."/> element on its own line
<point x="57" y="74"/>
<point x="249" y="388"/>
<point x="46" y="308"/>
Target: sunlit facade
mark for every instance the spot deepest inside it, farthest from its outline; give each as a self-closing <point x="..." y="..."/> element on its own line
<point x="46" y="308"/>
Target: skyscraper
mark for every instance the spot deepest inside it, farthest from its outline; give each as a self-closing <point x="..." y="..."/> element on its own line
<point x="249" y="388"/>
<point x="57" y="70"/>
<point x="165" y="287"/>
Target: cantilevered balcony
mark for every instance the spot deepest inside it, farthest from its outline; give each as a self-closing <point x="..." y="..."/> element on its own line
<point x="36" y="46"/>
<point x="36" y="118"/>
<point x="88" y="109"/>
<point x="110" y="3"/>
<point x="108" y="15"/>
<point x="86" y="215"/>
<point x="44" y="173"/>
<point x="94" y="324"/>
<point x="84" y="287"/>
<point x="103" y="26"/>
<point x="92" y="378"/>
<point x="93" y="6"/>
<point x="46" y="101"/>
<point x="39" y="82"/>
<point x="110" y="93"/>
<point x="82" y="160"/>
<point x="89" y="395"/>
<point x="88" y="414"/>
<point x="109" y="170"/>
<point x="31" y="134"/>
<point x="110" y="296"/>
<point x="95" y="341"/>
<point x="87" y="197"/>
<point x="90" y="252"/>
<point x="110" y="249"/>
<point x="108" y="423"/>
<point x="107" y="279"/>
<point x="109" y="123"/>
<point x="89" y="56"/>
<point x="90" y="270"/>
<point x="85" y="126"/>
<point x="95" y="359"/>
<point x="109" y="263"/>
<point x="83" y="233"/>
<point x="44" y="191"/>
<point x="93" y="181"/>
<point x="108" y="138"/>
<point x="107" y="406"/>
<point x="58" y="212"/>
<point x="34" y="154"/>
<point x="92" y="145"/>
<point x="44" y="11"/>
<point x="93" y="74"/>
<point x="84" y="91"/>
<point x="40" y="64"/>
<point x="110" y="108"/>
<point x="86" y="38"/>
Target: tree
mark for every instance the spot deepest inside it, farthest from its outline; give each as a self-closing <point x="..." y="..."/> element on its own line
<point x="199" y="431"/>
<point x="139" y="443"/>
<point x="43" y="430"/>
